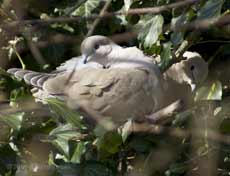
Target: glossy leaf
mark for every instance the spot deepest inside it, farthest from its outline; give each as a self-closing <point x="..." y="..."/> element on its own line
<point x="212" y="91"/>
<point x="150" y="28"/>
<point x="62" y="135"/>
<point x="86" y="8"/>
<point x="166" y="55"/>
<point x="13" y="120"/>
<point x="110" y="142"/>
<point x="78" y="152"/>
<point x="211" y="8"/>
<point x="61" y="109"/>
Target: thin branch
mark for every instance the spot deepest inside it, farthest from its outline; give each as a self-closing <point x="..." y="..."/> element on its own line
<point x="123" y="37"/>
<point x="19" y="57"/>
<point x="97" y="21"/>
<point x="35" y="51"/>
<point x="152" y="10"/>
<point x="165" y="113"/>
<point x="177" y="132"/>
<point x="199" y="25"/>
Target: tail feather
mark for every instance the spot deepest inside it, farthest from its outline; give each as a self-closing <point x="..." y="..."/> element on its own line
<point x="21" y="73"/>
<point x="33" y="78"/>
<point x="28" y="76"/>
<point x="41" y="80"/>
<point x="13" y="70"/>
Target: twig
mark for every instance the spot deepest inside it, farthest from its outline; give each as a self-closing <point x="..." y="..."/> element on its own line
<point x="123" y="37"/>
<point x="177" y="132"/>
<point x="152" y="10"/>
<point x="166" y="112"/>
<point x="19" y="57"/>
<point x="35" y="52"/>
<point x="203" y="24"/>
<point x="97" y="21"/>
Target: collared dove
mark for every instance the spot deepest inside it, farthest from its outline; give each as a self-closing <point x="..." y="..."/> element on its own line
<point x="181" y="78"/>
<point x="130" y="87"/>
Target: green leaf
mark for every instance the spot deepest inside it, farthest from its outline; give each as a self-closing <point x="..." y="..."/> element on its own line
<point x="150" y="28"/>
<point x="62" y="135"/>
<point x="126" y="130"/>
<point x="211" y="91"/>
<point x="86" y="8"/>
<point x="61" y="109"/>
<point x="68" y="8"/>
<point x="166" y="55"/>
<point x="212" y="8"/>
<point x="177" y="37"/>
<point x="13" y="120"/>
<point x="78" y="152"/>
<point x="88" y="168"/>
<point x="17" y="94"/>
<point x="110" y="142"/>
<point x="63" y="26"/>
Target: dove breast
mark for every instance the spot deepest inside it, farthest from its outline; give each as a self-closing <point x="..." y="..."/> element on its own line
<point x="118" y="93"/>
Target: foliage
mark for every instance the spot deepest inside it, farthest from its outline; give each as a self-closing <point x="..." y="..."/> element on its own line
<point x="37" y="140"/>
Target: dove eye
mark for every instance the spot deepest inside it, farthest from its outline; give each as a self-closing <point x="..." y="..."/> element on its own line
<point x="96" y="46"/>
<point x="192" y="67"/>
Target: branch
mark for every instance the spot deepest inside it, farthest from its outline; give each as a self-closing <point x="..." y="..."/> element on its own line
<point x="152" y="10"/>
<point x="97" y="21"/>
<point x="177" y="132"/>
<point x="165" y="113"/>
<point x="200" y="25"/>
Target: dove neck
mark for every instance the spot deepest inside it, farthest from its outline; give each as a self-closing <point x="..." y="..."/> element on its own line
<point x="176" y="87"/>
<point x="175" y="73"/>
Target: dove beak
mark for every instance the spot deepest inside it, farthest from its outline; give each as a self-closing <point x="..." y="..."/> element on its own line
<point x="85" y="59"/>
<point x="193" y="86"/>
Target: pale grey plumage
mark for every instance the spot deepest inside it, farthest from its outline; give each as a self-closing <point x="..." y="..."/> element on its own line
<point x="181" y="78"/>
<point x="131" y="86"/>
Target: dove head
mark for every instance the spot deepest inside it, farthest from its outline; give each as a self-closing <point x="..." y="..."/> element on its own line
<point x="196" y="69"/>
<point x="95" y="45"/>
<point x="193" y="70"/>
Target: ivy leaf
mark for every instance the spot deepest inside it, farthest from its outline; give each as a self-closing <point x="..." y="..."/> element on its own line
<point x="211" y="8"/>
<point x="212" y="91"/>
<point x="13" y="120"/>
<point x="110" y="142"/>
<point x="86" y="8"/>
<point x="61" y="136"/>
<point x="61" y="109"/>
<point x="177" y="37"/>
<point x="150" y="28"/>
<point x="166" y="55"/>
<point x="80" y="149"/>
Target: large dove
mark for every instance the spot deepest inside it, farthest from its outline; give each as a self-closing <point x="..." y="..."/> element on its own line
<point x="116" y="82"/>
